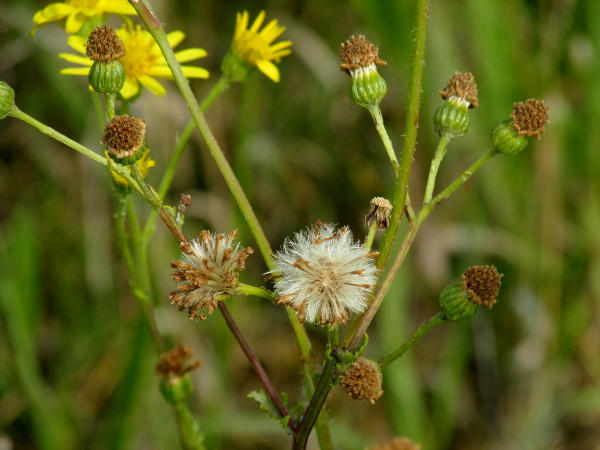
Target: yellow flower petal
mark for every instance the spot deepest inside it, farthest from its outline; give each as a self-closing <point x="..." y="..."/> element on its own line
<point x="152" y="85"/>
<point x="119" y="7"/>
<point x="258" y="22"/>
<point x="269" y="69"/>
<point x="77" y="43"/>
<point x="130" y="88"/>
<point x="75" y="22"/>
<point x="75" y="71"/>
<point x="50" y="13"/>
<point x="76" y="59"/>
<point x="175" y="38"/>
<point x="190" y="54"/>
<point x="241" y="23"/>
<point x="195" y="72"/>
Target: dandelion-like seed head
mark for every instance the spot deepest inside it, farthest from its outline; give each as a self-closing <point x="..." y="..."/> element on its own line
<point x="124" y="135"/>
<point x="482" y="283"/>
<point x="358" y="55"/>
<point x="362" y="380"/>
<point x="103" y="44"/>
<point x="207" y="272"/>
<point x="529" y="118"/>
<point x="324" y="275"/>
<point x="463" y="88"/>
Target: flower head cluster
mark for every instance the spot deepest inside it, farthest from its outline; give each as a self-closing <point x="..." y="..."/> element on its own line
<point x="143" y="59"/>
<point x="362" y="380"/>
<point x="77" y="12"/>
<point x="207" y="272"/>
<point x="103" y="44"/>
<point x="482" y="283"/>
<point x="324" y="275"/>
<point x="252" y="48"/>
<point x="528" y="118"/>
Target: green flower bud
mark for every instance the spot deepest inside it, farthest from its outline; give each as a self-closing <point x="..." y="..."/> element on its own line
<point x="452" y="118"/>
<point x="235" y="67"/>
<point x="360" y="60"/>
<point x="107" y="77"/>
<point x="104" y="47"/>
<point x="456" y="304"/>
<point x="368" y="88"/>
<point x="7" y="99"/>
<point x="480" y="286"/>
<point x="527" y="119"/>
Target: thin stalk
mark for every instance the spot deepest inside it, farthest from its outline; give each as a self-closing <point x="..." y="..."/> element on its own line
<point x="110" y="98"/>
<point x="410" y="140"/>
<point x="221" y="86"/>
<point x="423" y="329"/>
<point x="257" y="366"/>
<point x="440" y="152"/>
<point x="371" y="236"/>
<point x="155" y="28"/>
<point x="246" y="289"/>
<point x="387" y="143"/>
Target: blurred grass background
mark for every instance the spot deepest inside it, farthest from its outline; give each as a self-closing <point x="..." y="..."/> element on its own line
<point x="76" y="359"/>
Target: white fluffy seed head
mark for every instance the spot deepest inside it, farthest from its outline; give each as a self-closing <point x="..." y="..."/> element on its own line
<point x="207" y="272"/>
<point x="324" y="275"/>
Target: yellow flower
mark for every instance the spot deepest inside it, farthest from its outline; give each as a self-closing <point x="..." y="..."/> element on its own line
<point x="255" y="47"/>
<point x="144" y="164"/>
<point x="142" y="61"/>
<point x="78" y="11"/>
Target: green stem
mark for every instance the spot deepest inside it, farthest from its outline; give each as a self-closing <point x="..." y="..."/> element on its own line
<point x="371" y="236"/>
<point x="110" y="98"/>
<point x="221" y="86"/>
<point x="246" y="289"/>
<point x="440" y="152"/>
<point x="410" y="139"/>
<point x="317" y="400"/>
<point x="423" y="329"/>
<point x="155" y="28"/>
<point x="18" y="114"/>
<point x="379" y="125"/>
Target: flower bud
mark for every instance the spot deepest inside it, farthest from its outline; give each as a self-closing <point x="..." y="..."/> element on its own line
<point x="360" y="60"/>
<point x="480" y="286"/>
<point x="452" y="118"/>
<point x="7" y="99"/>
<point x="362" y="380"/>
<point x="107" y="74"/>
<point x="173" y="369"/>
<point x="527" y="119"/>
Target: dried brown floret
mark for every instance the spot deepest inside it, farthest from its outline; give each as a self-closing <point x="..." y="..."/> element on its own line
<point x="482" y="283"/>
<point x="463" y="86"/>
<point x="359" y="52"/>
<point x="530" y="118"/>
<point x="103" y="44"/>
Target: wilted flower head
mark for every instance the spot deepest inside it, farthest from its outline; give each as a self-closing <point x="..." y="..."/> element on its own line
<point x="362" y="380"/>
<point x="380" y="213"/>
<point x="358" y="54"/>
<point x="324" y="275"/>
<point x="124" y="135"/>
<point x="482" y="283"/>
<point x="463" y="88"/>
<point x="207" y="272"/>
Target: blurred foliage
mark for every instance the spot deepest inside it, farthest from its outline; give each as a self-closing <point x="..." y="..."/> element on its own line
<point x="76" y="360"/>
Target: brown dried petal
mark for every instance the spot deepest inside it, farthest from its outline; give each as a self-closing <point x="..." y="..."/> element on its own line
<point x="359" y="52"/>
<point x="530" y="118"/>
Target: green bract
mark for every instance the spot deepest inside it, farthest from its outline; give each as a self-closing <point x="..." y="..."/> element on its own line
<point x="107" y="77"/>
<point x="456" y="304"/>
<point x="507" y="140"/>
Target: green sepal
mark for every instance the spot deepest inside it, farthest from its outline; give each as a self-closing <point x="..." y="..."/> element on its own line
<point x="456" y="304"/>
<point x="507" y="140"/>
<point x="235" y="68"/>
<point x="367" y="88"/>
<point x="176" y="391"/>
<point x="107" y="76"/>
<point x="452" y="118"/>
<point x="128" y="161"/>
<point x="7" y="99"/>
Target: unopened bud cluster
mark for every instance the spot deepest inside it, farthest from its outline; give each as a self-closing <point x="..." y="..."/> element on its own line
<point x="528" y="118"/>
<point x="107" y="74"/>
<point x="360" y="59"/>
<point x="452" y="118"/>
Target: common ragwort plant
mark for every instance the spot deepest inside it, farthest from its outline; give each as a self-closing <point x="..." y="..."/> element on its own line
<point x="325" y="275"/>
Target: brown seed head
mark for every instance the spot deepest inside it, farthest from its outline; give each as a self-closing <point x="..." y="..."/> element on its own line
<point x="124" y="135"/>
<point x="398" y="443"/>
<point x="530" y="118"/>
<point x="462" y="86"/>
<point x="176" y="363"/>
<point x="482" y="283"/>
<point x="381" y="211"/>
<point x="358" y="52"/>
<point x="207" y="273"/>
<point x="362" y="380"/>
<point x="103" y="44"/>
